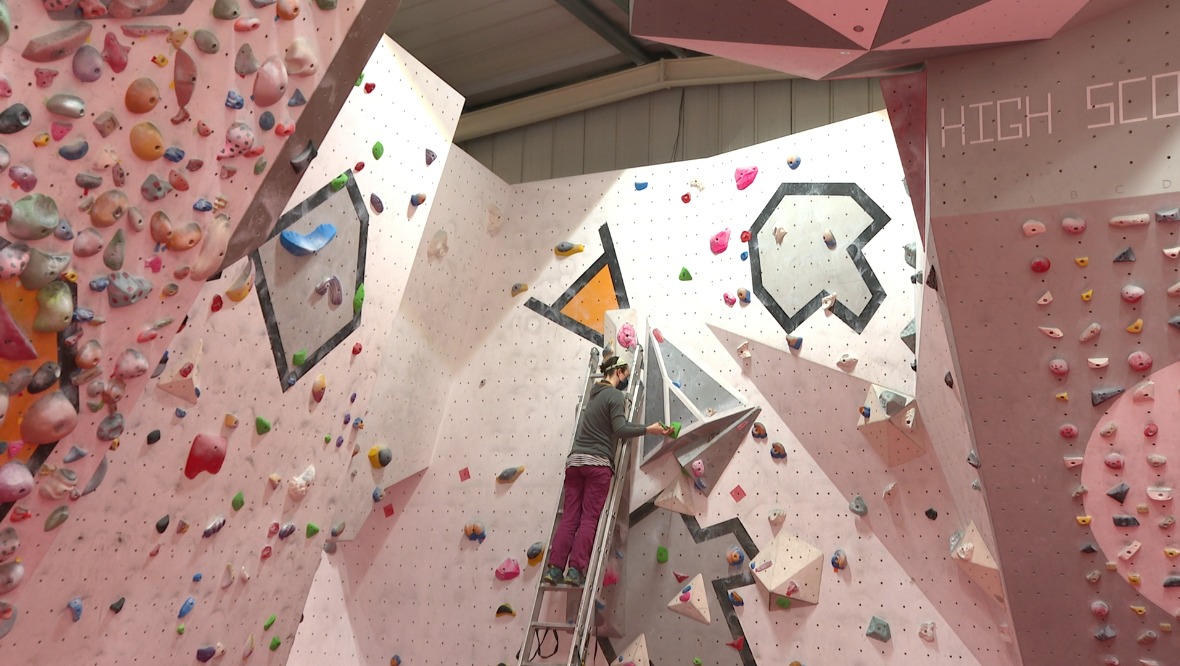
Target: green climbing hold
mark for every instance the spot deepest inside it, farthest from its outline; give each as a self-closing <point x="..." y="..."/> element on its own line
<point x="327" y="439"/>
<point x="238" y="501"/>
<point x="378" y="150"/>
<point x="685" y="276"/>
<point x="339" y="182"/>
<point x="358" y="299"/>
<point x="675" y="426"/>
<point x="261" y="426"/>
<point x="269" y="622"/>
<point x="783" y="602"/>
<point x="275" y="643"/>
<point x="360" y="79"/>
<point x="312" y="530"/>
<point x="260" y="166"/>
<point x="661" y="554"/>
<point x="118" y="605"/>
<point x="180" y="628"/>
<point x="299" y="357"/>
<point x="326" y="4"/>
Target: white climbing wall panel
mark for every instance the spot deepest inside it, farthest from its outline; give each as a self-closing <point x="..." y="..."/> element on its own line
<point x="105" y="550"/>
<point x="1105" y="150"/>
<point x="415" y="587"/>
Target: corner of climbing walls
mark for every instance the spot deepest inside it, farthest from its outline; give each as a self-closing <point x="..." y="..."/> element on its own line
<point x="146" y="498"/>
<point x="773" y="296"/>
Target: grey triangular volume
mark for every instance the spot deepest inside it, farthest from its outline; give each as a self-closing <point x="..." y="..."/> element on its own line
<point x="1119" y="492"/>
<point x="698" y="386"/>
<point x="1099" y="396"/>
<point x="932" y="279"/>
<point x="1126" y="255"/>
<point x="909" y="335"/>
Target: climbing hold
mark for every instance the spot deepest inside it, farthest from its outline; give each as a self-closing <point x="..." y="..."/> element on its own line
<point x="1123" y="520"/>
<point x="213" y="527"/>
<point x="15" y="118"/>
<point x="685" y="276"/>
<point x="475" y="531"/>
<point x="1031" y="228"/>
<point x="932" y="514"/>
<point x="565" y="249"/>
<point x="535" y="553"/>
<point x="508" y="569"/>
<point x="518" y="288"/>
<point x="75" y="606"/>
<point x="1090" y="332"/>
<point x="300" y="58"/>
<point x="1087" y="295"/>
<point x="33" y="217"/>
<point x="1134" y="220"/>
<point x="878" y="629"/>
<point x="1127" y="255"/>
<point x="1139" y="361"/>
<point x="358" y="298"/>
<point x="858" y="506"/>
<point x="1119" y="493"/>
<point x="16" y="481"/>
<point x="142" y="96"/>
<point x="1039" y="264"/>
<point x="380" y="456"/>
<point x="147" y="142"/>
<point x="417" y="199"/>
<point x="302" y="245"/>
<point x="299" y="162"/>
<point x="510" y="474"/>
<point x="311" y="530"/>
<point x="1136" y="327"/>
<point x="794" y="161"/>
<point x="186" y="607"/>
<point x="261" y="425"/>
<point x="57" y="517"/>
<point x="1131" y="293"/>
<point x="270" y="83"/>
<point x="839" y="561"/>
<point x="207" y="455"/>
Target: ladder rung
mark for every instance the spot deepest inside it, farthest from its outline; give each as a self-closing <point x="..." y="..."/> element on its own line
<point x="560" y="588"/>
<point x="556" y="626"/>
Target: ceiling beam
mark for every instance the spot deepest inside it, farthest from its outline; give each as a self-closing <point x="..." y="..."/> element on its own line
<point x="606" y="29"/>
<point x="660" y="75"/>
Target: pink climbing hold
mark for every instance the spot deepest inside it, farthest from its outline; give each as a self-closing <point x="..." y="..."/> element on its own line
<point x="719" y="242"/>
<point x="115" y="53"/>
<point x="627" y="337"/>
<point x="16" y="481"/>
<point x="1140" y="361"/>
<point x="239" y="139"/>
<point x="744" y="176"/>
<point x="508" y="569"/>
<point x="206" y="455"/>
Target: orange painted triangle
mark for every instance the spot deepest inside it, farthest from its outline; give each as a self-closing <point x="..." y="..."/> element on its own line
<point x="588" y="307"/>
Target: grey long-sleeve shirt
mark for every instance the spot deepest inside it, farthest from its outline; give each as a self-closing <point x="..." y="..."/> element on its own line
<point x="603" y="421"/>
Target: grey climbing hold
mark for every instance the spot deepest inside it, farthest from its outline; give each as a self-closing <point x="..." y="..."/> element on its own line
<point x="299" y="162"/>
<point x="43" y="269"/>
<point x="1127" y="255"/>
<point x="858" y="506"/>
<point x="14" y="119"/>
<point x="1119" y="492"/>
<point x="33" y="217"/>
<point x="1106" y="633"/>
<point x="1124" y="520"/>
<point x="126" y="289"/>
<point x="932" y="279"/>
<point x="1168" y="215"/>
<point x="1080" y="491"/>
<point x="74" y="151"/>
<point x="154" y="188"/>
<point x="973" y="459"/>
<point x="246" y="62"/>
<point x="110" y="427"/>
<point x="44" y="379"/>
<point x="1089" y="548"/>
<point x="1172" y="581"/>
<point x="66" y="105"/>
<point x="96" y="479"/>
<point x="1174" y="321"/>
<point x="431" y="156"/>
<point x="112" y="256"/>
<point x="330" y="547"/>
<point x="911" y="254"/>
<point x="949" y="380"/>
<point x="326" y="4"/>
<point x="226" y="10"/>
<point x="206" y="42"/>
<point x="909" y="335"/>
<point x="337" y="528"/>
<point x="1099" y="396"/>
<point x="878" y="629"/>
<point x="88" y="181"/>
<point x="297" y="98"/>
<point x="76" y="453"/>
<point x="57" y="517"/>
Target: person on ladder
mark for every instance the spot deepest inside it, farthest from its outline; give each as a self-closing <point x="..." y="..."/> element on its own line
<point x="588" y="472"/>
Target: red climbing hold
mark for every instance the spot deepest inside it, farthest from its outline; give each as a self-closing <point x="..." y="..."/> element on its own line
<point x="359" y="166"/>
<point x="356" y="349"/>
<point x="217" y="303"/>
<point x="206" y="455"/>
<point x="370" y="87"/>
<point x="686" y="197"/>
<point x="746" y="236"/>
<point x="738" y="644"/>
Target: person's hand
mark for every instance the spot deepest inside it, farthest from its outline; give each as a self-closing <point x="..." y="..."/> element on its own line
<point x="658" y="428"/>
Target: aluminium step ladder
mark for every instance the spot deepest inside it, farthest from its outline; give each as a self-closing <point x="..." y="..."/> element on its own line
<point x="581" y="601"/>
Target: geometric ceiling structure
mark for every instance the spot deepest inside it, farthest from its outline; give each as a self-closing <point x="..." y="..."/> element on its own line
<point x="820" y="39"/>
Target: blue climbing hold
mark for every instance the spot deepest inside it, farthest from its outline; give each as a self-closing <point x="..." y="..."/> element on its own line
<point x="234" y="100"/>
<point x="266" y="121"/>
<point x="83" y="315"/>
<point x="74" y="151"/>
<point x="99" y="284"/>
<point x="186" y="607"/>
<point x="180" y="413"/>
<point x="640" y="186"/>
<point x="75" y="606"/>
<point x="174" y="154"/>
<point x="302" y="245"/>
<point x="297" y="98"/>
<point x="197" y="577"/>
<point x="745" y="256"/>
<point x="202" y="205"/>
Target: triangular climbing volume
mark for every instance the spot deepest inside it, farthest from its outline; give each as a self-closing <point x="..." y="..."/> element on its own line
<point x="692" y="601"/>
<point x="582" y="308"/>
<point x="635" y="654"/>
<point x="678" y="496"/>
<point x="892" y="423"/>
<point x="790" y="570"/>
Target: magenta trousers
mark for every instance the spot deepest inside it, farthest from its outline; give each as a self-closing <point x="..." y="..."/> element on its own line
<point x="586" y="488"/>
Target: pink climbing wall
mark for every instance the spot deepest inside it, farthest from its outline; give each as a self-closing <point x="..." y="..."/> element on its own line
<point x="1101" y="151"/>
<point x="413" y="586"/>
<point x="110" y="547"/>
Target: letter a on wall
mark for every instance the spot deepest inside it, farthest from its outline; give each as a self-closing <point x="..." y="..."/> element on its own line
<point x="582" y="308"/>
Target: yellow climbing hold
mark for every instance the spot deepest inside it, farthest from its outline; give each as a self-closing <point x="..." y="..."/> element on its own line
<point x="1082" y="262"/>
<point x="1087" y="295"/>
<point x="1063" y="396"/>
<point x="231" y="421"/>
<point x="1172" y="552"/>
<point x="1084" y="520"/>
<point x="1136" y="326"/>
<point x="1139" y="610"/>
<point x="1134" y="579"/>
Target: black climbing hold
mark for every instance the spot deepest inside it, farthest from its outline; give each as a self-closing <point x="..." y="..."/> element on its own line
<point x="931" y="514"/>
<point x="299" y="162"/>
<point x="1172" y="581"/>
<point x="916" y="278"/>
<point x="1123" y="520"/>
<point x="118" y="605"/>
<point x="431" y="156"/>
<point x="932" y="279"/>
<point x="1119" y="492"/>
<point x="914" y="365"/>
<point x="153" y="437"/>
<point x="1125" y="256"/>
<point x="949" y="380"/>
<point x="162" y="524"/>
<point x="1089" y="548"/>
<point x="1099" y="396"/>
<point x="297" y="98"/>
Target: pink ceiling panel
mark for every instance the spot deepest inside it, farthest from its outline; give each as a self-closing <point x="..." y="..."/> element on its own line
<point x="801" y="61"/>
<point x="995" y="22"/>
<point x="857" y="21"/>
